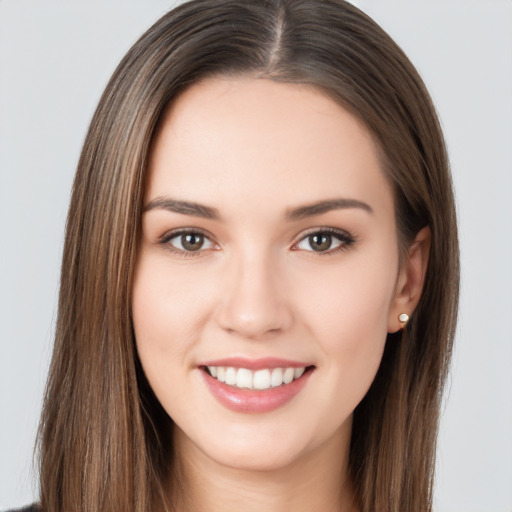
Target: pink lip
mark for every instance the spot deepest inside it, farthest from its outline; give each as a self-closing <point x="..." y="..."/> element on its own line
<point x="256" y="364"/>
<point x="253" y="401"/>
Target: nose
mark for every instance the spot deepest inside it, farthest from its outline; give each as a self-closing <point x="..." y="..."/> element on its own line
<point x="254" y="301"/>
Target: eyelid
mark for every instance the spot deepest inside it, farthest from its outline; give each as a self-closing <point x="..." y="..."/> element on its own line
<point x="346" y="239"/>
<point x="174" y="233"/>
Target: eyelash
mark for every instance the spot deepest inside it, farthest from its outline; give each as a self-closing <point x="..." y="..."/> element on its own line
<point x="345" y="239"/>
<point x="165" y="241"/>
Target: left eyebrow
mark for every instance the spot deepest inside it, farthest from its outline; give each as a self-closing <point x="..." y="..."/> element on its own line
<point x="321" y="207"/>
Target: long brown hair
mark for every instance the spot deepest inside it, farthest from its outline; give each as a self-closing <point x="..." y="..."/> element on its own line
<point x="104" y="439"/>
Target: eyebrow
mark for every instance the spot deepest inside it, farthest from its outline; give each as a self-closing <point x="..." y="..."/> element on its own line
<point x="183" y="207"/>
<point x="321" y="207"/>
<point x="301" y="212"/>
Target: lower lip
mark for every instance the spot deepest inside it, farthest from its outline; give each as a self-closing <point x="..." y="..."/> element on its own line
<point x="251" y="401"/>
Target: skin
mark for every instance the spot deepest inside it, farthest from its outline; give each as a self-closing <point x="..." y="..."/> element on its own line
<point x="254" y="150"/>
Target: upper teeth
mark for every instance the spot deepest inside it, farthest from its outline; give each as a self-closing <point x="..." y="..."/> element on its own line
<point x="260" y="379"/>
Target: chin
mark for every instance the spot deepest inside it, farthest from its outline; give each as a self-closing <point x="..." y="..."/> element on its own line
<point x="265" y="447"/>
<point x="261" y="458"/>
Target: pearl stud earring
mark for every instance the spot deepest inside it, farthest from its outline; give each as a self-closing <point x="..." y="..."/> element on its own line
<point x="403" y="318"/>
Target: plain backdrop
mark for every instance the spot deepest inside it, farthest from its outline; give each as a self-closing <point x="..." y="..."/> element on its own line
<point x="55" y="59"/>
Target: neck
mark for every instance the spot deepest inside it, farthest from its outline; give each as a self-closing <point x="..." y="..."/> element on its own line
<point x="314" y="481"/>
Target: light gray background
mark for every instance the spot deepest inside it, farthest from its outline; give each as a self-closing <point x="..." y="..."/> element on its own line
<point x="55" y="59"/>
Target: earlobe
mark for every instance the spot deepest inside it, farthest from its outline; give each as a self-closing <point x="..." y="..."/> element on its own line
<point x="410" y="281"/>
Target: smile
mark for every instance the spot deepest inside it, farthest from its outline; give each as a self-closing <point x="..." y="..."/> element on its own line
<point x="255" y="387"/>
<point x="263" y="379"/>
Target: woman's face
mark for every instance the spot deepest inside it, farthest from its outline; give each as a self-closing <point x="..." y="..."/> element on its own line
<point x="269" y="253"/>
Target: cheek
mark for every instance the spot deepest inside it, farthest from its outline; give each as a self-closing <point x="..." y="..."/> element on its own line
<point x="167" y="316"/>
<point x="167" y="305"/>
<point x="347" y="313"/>
<point x="349" y="300"/>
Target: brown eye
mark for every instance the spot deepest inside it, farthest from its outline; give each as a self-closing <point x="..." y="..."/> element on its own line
<point x="188" y="242"/>
<point x="192" y="241"/>
<point x="325" y="241"/>
<point x="320" y="242"/>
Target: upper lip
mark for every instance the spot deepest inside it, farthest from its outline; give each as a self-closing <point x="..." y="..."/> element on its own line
<point x="256" y="364"/>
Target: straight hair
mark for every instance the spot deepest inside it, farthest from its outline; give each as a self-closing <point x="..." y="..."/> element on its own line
<point x="104" y="440"/>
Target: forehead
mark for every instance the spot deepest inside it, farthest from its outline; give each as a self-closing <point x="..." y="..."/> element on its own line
<point x="239" y="141"/>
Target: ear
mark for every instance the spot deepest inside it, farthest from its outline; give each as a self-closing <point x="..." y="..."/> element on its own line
<point x="411" y="277"/>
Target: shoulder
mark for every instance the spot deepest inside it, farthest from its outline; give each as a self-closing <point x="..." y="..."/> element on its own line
<point x="31" y="508"/>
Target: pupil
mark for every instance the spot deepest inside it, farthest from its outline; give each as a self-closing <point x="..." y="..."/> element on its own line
<point x="192" y="242"/>
<point x="320" y="242"/>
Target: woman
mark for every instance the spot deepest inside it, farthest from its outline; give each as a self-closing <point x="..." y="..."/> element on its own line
<point x="260" y="274"/>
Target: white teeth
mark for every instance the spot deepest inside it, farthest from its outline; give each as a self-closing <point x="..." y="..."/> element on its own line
<point x="221" y="374"/>
<point x="244" y="378"/>
<point x="298" y="372"/>
<point x="288" y="375"/>
<point x="277" y="377"/>
<point x="261" y="379"/>
<point x="230" y="376"/>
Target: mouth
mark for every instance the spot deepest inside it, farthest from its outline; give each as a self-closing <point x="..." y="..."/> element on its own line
<point x="246" y="385"/>
<point x="257" y="380"/>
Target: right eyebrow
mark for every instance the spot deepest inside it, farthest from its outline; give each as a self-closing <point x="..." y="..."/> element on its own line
<point x="183" y="207"/>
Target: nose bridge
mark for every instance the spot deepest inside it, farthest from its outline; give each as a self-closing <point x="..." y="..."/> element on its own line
<point x="253" y="302"/>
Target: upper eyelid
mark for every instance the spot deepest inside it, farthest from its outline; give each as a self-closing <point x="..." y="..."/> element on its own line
<point x="316" y="229"/>
<point x="325" y="229"/>
<point x="168" y="235"/>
